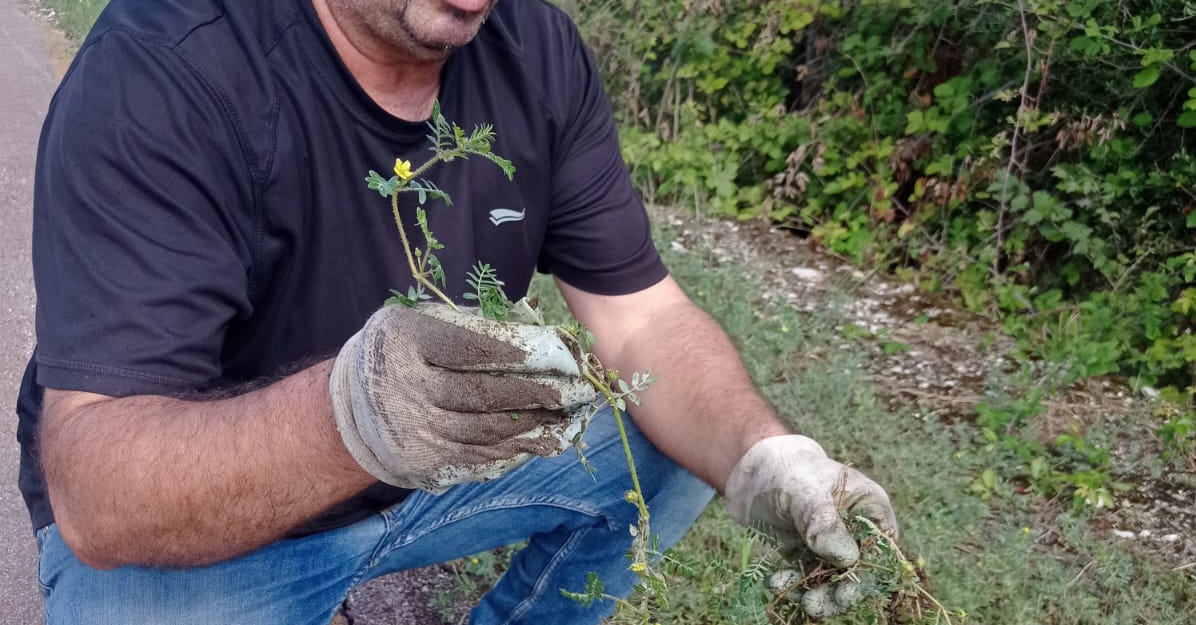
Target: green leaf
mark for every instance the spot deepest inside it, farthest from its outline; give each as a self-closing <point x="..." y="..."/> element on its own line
<point x="1187" y="119"/>
<point x="384" y="187"/>
<point x="402" y="300"/>
<point x="1085" y="45"/>
<point x="1146" y="77"/>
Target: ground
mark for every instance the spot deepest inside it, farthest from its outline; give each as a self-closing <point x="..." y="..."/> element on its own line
<point x="927" y="356"/>
<point x="939" y="360"/>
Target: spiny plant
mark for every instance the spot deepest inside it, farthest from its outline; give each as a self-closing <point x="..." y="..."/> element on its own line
<point x="450" y="142"/>
<point x="882" y="561"/>
<point x="885" y="581"/>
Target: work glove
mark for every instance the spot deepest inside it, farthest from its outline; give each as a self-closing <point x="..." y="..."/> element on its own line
<point x="428" y="397"/>
<point x="787" y="487"/>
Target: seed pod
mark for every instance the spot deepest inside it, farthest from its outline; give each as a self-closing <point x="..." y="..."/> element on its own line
<point x="782" y="581"/>
<point x="817" y="602"/>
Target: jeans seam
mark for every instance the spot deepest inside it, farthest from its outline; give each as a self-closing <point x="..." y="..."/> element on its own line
<point x="538" y="589"/>
<point x="40" y="536"/>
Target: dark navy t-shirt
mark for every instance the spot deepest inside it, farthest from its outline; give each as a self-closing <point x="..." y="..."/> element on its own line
<point x="201" y="219"/>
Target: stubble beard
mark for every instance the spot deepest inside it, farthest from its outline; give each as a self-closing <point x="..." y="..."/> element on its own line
<point x="424" y="30"/>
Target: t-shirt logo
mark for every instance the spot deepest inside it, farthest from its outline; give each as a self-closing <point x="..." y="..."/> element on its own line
<point x="501" y="216"/>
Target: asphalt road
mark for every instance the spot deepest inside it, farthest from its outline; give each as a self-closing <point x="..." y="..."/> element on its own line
<point x="26" y="84"/>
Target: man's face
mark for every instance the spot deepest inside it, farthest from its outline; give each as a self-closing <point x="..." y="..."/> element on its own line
<point x="427" y="30"/>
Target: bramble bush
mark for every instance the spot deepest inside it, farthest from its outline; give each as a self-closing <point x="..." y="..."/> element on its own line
<point x="1034" y="159"/>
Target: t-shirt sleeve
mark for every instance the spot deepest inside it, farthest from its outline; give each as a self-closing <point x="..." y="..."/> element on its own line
<point x="140" y="252"/>
<point x="599" y="239"/>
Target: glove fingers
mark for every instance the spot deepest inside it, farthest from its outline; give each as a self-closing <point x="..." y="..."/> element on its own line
<point x="479" y="463"/>
<point x="467" y="341"/>
<point x="539" y="442"/>
<point x="867" y="499"/>
<point x="485" y="392"/>
<point x="439" y="479"/>
<point x="502" y="433"/>
<point x="817" y="518"/>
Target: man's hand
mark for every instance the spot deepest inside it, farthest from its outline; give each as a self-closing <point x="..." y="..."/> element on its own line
<point x="788" y="487"/>
<point x="429" y="397"/>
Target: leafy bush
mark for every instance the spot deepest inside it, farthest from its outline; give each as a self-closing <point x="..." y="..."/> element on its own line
<point x="1036" y="158"/>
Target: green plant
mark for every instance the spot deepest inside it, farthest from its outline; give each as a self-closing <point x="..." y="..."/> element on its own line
<point x="1178" y="432"/>
<point x="889" y="581"/>
<point x="75" y="17"/>
<point x="1070" y="465"/>
<point x="1016" y="560"/>
<point x="450" y="142"/>
<point x="1033" y="158"/>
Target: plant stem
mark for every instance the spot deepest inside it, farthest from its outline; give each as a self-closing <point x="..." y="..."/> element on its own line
<point x="415" y="270"/>
<point x="610" y="399"/>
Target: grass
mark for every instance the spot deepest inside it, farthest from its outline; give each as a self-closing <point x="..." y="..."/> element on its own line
<point x="1011" y="560"/>
<point x="75" y="17"/>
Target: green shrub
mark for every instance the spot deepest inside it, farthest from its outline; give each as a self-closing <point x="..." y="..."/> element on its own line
<point x="1035" y="159"/>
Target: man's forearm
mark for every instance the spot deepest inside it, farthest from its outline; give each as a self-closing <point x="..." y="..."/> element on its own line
<point x="159" y="481"/>
<point x="703" y="410"/>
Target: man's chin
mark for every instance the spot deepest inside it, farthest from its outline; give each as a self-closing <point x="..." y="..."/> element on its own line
<point x="446" y="43"/>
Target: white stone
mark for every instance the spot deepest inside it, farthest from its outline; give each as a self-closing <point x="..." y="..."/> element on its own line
<point x="807" y="274"/>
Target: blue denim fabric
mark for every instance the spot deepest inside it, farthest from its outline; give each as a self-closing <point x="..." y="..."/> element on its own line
<point x="575" y="523"/>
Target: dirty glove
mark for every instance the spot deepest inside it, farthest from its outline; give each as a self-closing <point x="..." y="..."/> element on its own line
<point x="429" y="397"/>
<point x="789" y="488"/>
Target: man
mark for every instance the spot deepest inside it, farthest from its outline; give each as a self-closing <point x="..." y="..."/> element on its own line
<point x="216" y="425"/>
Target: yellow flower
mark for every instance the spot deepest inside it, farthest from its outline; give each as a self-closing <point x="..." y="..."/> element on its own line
<point x="639" y="567"/>
<point x="403" y="170"/>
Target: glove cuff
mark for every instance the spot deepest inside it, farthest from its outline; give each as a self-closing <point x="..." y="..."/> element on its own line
<point x="341" y="395"/>
<point x="744" y="482"/>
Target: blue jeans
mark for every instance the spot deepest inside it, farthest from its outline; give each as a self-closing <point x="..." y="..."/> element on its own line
<point x="574" y="523"/>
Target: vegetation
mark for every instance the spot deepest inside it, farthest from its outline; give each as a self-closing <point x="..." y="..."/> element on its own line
<point x="1000" y="558"/>
<point x="74" y="17"/>
<point x="1032" y="159"/>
